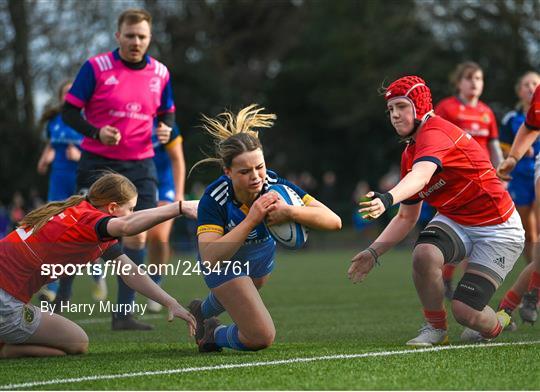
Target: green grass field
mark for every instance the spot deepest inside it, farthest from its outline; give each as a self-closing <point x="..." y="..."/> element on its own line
<point x="319" y="316"/>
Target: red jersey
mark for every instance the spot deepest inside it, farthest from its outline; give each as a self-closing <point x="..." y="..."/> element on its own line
<point x="533" y="115"/>
<point x="464" y="187"/>
<point x="69" y="237"/>
<point x="478" y="121"/>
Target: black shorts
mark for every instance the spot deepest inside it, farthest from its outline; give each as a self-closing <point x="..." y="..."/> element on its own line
<point x="141" y="172"/>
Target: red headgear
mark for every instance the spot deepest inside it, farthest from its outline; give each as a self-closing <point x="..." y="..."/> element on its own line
<point x="416" y="91"/>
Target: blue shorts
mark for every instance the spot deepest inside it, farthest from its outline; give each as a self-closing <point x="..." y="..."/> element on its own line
<point x="253" y="260"/>
<point x="521" y="190"/>
<point x="166" y="190"/>
<point x="62" y="184"/>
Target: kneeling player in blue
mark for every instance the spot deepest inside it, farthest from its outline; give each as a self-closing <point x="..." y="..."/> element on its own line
<point x="235" y="247"/>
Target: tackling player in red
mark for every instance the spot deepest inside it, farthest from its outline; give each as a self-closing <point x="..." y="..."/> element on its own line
<point x="78" y="230"/>
<point x="476" y="218"/>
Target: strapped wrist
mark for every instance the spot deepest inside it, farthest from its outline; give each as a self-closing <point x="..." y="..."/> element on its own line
<point x="374" y="254"/>
<point x="386" y="198"/>
<point x="513" y="157"/>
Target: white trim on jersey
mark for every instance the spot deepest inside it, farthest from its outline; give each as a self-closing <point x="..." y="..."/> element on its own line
<point x="222" y="197"/>
<point x="104" y="63"/>
<point x="499" y="217"/>
<point x="160" y="70"/>
<point x="218" y="188"/>
<point x="459" y="193"/>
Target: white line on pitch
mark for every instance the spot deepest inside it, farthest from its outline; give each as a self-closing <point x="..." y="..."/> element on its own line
<point x="256" y="364"/>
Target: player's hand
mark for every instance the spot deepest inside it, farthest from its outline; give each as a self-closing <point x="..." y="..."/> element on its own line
<point x="176" y="310"/>
<point x="73" y="153"/>
<point x="362" y="263"/>
<point x="163" y="132"/>
<point x="505" y="168"/>
<point x="42" y="167"/>
<point x="189" y="208"/>
<point x="261" y="207"/>
<point x="279" y="212"/>
<point x="373" y="208"/>
<point x="110" y="136"/>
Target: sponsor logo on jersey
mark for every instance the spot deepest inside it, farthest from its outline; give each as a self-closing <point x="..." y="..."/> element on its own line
<point x="155" y="84"/>
<point x="133" y="107"/>
<point x="111" y="81"/>
<point x="431" y="189"/>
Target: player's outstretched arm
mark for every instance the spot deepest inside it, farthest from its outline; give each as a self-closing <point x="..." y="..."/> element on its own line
<point x="394" y="233"/>
<point x="145" y="219"/>
<point x="525" y="137"/>
<point x="409" y="185"/>
<point x="315" y="215"/>
<point x="147" y="287"/>
<point x="495" y="152"/>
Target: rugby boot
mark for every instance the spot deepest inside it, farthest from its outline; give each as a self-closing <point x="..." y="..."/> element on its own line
<point x="528" y="310"/>
<point x="429" y="336"/>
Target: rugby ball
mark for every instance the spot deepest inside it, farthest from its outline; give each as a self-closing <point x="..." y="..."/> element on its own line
<point x="290" y="234"/>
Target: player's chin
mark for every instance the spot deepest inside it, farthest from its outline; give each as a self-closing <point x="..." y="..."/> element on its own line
<point x="256" y="188"/>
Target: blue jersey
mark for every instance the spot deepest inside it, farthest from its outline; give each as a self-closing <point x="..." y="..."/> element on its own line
<point x="60" y="136"/>
<point x="166" y="188"/>
<point x="219" y="212"/>
<point x="510" y="126"/>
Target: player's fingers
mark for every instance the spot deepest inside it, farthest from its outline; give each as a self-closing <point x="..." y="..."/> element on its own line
<point x="170" y="317"/>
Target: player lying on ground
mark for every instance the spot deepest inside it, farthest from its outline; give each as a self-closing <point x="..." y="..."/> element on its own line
<point x="231" y="227"/>
<point x="476" y="218"/>
<point x="526" y="136"/>
<point x="76" y="231"/>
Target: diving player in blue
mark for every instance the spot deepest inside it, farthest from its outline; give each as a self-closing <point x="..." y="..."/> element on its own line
<point x="230" y="227"/>
<point x="171" y="175"/>
<point x="522" y="185"/>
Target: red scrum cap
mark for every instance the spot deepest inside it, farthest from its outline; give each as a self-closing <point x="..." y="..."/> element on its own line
<point x="416" y="91"/>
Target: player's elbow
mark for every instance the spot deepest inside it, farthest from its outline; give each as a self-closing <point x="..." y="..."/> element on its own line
<point x="125" y="230"/>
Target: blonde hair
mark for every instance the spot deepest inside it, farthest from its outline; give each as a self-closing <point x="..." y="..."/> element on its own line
<point x="234" y="135"/>
<point x="111" y="187"/>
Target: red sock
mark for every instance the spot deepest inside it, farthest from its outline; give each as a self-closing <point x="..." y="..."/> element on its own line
<point x="448" y="271"/>
<point x="494" y="332"/>
<point x="534" y="282"/>
<point x="437" y="318"/>
<point x="510" y="301"/>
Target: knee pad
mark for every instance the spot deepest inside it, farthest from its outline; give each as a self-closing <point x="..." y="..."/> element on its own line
<point x="447" y="241"/>
<point x="474" y="290"/>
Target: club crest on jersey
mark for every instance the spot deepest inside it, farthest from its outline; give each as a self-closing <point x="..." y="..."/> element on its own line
<point x="155" y="84"/>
